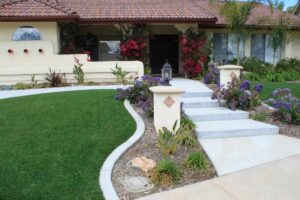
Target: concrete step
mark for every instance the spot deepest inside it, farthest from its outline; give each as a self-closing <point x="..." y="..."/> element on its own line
<point x="197" y="94"/>
<point x="216" y="113"/>
<point x="233" y="128"/>
<point x="199" y="102"/>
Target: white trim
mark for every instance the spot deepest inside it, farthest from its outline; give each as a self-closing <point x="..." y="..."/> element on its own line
<point x="18" y="93"/>
<point x="105" y="182"/>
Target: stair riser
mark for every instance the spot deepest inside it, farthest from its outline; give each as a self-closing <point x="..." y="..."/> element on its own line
<point x="213" y="117"/>
<point x="237" y="133"/>
<point x="201" y="105"/>
<point x="197" y="94"/>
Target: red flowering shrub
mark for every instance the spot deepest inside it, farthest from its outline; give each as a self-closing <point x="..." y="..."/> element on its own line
<point x="133" y="49"/>
<point x="194" y="56"/>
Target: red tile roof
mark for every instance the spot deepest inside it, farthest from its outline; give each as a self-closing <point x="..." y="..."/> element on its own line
<point x="127" y="11"/>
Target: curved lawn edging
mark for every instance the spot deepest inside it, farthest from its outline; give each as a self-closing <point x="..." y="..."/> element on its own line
<point x="5" y="94"/>
<point x="105" y="182"/>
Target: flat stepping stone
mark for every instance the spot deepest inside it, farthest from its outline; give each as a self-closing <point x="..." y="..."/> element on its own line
<point x="212" y="114"/>
<point x="136" y="184"/>
<point x="199" y="102"/>
<point x="233" y="128"/>
<point x="143" y="163"/>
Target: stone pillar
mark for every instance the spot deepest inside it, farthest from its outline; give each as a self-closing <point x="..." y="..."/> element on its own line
<point x="166" y="106"/>
<point x="227" y="72"/>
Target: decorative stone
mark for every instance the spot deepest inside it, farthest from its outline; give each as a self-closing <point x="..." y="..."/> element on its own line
<point x="227" y="72"/>
<point x="143" y="163"/>
<point x="169" y="101"/>
<point x="136" y="184"/>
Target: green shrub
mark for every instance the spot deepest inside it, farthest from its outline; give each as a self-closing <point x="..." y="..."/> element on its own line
<point x="288" y="64"/>
<point x="166" y="173"/>
<point x="274" y="77"/>
<point x="55" y="79"/>
<point x="23" y="86"/>
<point x="120" y="74"/>
<point x="290" y="75"/>
<point x="147" y="70"/>
<point x="197" y="160"/>
<point x="166" y="141"/>
<point x="260" y="117"/>
<point x="186" y="138"/>
<point x="187" y="123"/>
<point x="251" y="76"/>
<point x="78" y="72"/>
<point x="255" y="66"/>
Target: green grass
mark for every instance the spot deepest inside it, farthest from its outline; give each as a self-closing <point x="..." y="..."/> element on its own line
<point x="269" y="87"/>
<point x="52" y="146"/>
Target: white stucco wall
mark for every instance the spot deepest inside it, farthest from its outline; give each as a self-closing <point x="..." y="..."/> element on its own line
<point x="49" y="31"/>
<point x="19" y="66"/>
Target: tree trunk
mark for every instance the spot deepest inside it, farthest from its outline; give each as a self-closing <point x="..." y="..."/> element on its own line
<point x="274" y="54"/>
<point x="238" y="49"/>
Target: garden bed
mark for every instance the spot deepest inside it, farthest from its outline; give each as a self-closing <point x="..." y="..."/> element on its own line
<point x="147" y="146"/>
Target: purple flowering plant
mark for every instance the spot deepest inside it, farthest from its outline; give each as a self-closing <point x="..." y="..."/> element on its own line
<point x="237" y="94"/>
<point x="139" y="94"/>
<point x="212" y="76"/>
<point x="288" y="106"/>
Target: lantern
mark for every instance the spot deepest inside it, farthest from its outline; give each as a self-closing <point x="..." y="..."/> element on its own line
<point x="166" y="72"/>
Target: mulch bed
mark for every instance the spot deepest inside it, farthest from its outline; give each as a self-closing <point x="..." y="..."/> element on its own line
<point x="146" y="146"/>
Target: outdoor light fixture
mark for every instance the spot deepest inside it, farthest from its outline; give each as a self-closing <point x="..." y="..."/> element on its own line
<point x="166" y="71"/>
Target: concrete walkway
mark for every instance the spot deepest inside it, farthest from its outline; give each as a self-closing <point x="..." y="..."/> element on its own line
<point x="278" y="180"/>
<point x="232" y="141"/>
<point x="263" y="166"/>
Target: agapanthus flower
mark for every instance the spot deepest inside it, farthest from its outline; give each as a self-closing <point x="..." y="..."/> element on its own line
<point x="258" y="88"/>
<point x="245" y="85"/>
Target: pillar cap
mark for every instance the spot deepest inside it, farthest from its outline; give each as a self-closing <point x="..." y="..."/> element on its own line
<point x="166" y="90"/>
<point x="230" y="67"/>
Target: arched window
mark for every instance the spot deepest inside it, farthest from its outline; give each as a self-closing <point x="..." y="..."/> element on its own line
<point x="26" y="33"/>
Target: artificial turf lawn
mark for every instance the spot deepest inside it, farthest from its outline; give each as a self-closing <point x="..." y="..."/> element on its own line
<point x="269" y="87"/>
<point x="52" y="146"/>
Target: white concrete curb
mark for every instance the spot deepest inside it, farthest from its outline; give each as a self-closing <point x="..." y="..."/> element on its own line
<point x="105" y="182"/>
<point x="18" y="93"/>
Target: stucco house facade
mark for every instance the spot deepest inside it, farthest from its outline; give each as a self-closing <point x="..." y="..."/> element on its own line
<point x="102" y="18"/>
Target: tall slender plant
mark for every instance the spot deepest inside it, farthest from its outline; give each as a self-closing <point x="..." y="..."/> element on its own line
<point x="236" y="15"/>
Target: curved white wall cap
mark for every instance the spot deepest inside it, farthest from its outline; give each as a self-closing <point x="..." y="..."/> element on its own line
<point x="106" y="185"/>
<point x="166" y="89"/>
<point x="230" y="67"/>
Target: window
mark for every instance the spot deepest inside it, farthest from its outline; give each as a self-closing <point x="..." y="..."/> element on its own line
<point x="109" y="50"/>
<point x="261" y="48"/>
<point x="26" y="33"/>
<point x="225" y="47"/>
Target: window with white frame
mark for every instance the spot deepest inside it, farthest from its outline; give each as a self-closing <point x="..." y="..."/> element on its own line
<point x="225" y="47"/>
<point x="26" y="33"/>
<point x="261" y="48"/>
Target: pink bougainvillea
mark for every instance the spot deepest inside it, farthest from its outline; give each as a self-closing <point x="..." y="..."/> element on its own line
<point x="133" y="49"/>
<point x="193" y="52"/>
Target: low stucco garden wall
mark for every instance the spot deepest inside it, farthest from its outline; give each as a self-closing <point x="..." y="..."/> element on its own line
<point x="21" y="59"/>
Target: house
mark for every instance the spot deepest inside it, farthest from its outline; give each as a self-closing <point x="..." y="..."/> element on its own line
<point x="41" y="19"/>
<point x="297" y="9"/>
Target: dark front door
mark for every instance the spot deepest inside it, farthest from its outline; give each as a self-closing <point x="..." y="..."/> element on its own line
<point x="162" y="48"/>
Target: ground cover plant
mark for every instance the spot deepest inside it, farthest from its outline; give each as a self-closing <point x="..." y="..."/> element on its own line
<point x="288" y="106"/>
<point x="239" y="94"/>
<point x="53" y="145"/>
<point x="197" y="160"/>
<point x="140" y="94"/>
